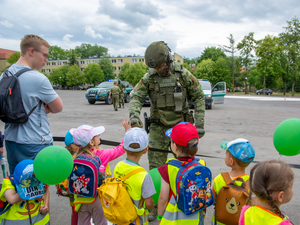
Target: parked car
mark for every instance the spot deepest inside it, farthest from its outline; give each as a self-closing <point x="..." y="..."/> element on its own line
<point x="100" y="93"/>
<point x="78" y="87"/>
<point x="267" y="91"/>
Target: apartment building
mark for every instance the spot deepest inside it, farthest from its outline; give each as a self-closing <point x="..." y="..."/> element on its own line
<point x="4" y="55"/>
<point x="117" y="62"/>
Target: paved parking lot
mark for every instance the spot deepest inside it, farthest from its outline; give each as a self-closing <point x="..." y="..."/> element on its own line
<point x="238" y="117"/>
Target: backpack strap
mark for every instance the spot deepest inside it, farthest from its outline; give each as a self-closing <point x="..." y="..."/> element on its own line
<point x="20" y="72"/>
<point x="226" y="177"/>
<point x="132" y="173"/>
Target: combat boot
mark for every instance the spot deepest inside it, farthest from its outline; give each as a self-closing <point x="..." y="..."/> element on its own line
<point x="153" y="214"/>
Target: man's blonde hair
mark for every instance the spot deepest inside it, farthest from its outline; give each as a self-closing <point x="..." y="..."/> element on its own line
<point x="32" y="41"/>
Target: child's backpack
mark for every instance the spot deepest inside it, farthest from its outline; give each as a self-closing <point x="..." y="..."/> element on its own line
<point x="193" y="185"/>
<point x="84" y="179"/>
<point x="117" y="205"/>
<point x="231" y="199"/>
<point x="11" y="104"/>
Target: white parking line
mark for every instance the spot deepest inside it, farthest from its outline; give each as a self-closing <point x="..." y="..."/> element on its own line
<point x="260" y="98"/>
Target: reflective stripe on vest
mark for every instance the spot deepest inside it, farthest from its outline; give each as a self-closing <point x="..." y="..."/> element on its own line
<point x="135" y="183"/>
<point x="172" y="214"/>
<point x="259" y="215"/>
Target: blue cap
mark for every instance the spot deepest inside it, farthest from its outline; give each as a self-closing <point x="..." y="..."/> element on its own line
<point x="28" y="186"/>
<point x="69" y="137"/>
<point x="241" y="149"/>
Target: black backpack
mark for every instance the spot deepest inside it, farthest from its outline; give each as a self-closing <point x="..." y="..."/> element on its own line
<point x="11" y="104"/>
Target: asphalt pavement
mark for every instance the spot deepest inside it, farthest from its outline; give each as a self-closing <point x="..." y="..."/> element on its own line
<point x="252" y="117"/>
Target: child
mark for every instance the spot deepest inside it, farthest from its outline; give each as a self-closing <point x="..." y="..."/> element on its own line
<point x="184" y="144"/>
<point x="88" y="138"/>
<point x="140" y="185"/>
<point x="239" y="154"/>
<point x="24" y="193"/>
<point x="271" y="182"/>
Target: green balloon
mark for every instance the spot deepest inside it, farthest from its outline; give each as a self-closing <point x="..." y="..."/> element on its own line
<point x="286" y="137"/>
<point x="53" y="164"/>
<point x="156" y="178"/>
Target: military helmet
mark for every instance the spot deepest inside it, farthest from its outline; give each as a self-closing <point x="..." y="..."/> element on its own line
<point x="158" y="53"/>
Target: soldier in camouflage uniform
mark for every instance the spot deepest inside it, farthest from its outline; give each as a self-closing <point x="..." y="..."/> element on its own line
<point x="115" y="91"/>
<point x="121" y="96"/>
<point x="169" y="86"/>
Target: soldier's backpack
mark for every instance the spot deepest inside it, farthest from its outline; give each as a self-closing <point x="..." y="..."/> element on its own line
<point x="117" y="205"/>
<point x="193" y="186"/>
<point x="231" y="199"/>
<point x="84" y="178"/>
<point x="11" y="104"/>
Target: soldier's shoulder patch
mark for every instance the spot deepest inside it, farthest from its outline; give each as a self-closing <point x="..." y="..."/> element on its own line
<point x="194" y="80"/>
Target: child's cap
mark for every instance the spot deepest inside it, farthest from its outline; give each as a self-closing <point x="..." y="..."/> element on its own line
<point x="85" y="133"/>
<point x="28" y="186"/>
<point x="69" y="137"/>
<point x="182" y="133"/>
<point x="241" y="149"/>
<point x="136" y="135"/>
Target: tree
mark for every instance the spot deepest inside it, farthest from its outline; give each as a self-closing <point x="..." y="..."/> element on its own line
<point x="107" y="68"/>
<point x="212" y="53"/>
<point x="222" y="71"/>
<point x="231" y="49"/>
<point x="94" y="74"/>
<point x="122" y="74"/>
<point x="56" y="53"/>
<point x="87" y="50"/>
<point x="58" y="76"/>
<point x="188" y="67"/>
<point x="74" y="76"/>
<point x="135" y="72"/>
<point x="205" y="70"/>
<point x="73" y="58"/>
<point x="13" y="58"/>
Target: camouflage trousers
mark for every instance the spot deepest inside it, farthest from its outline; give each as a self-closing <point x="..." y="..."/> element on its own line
<point x="115" y="99"/>
<point x="121" y="100"/>
<point x="158" y="139"/>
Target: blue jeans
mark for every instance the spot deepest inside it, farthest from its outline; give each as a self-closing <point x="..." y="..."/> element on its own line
<point x="17" y="152"/>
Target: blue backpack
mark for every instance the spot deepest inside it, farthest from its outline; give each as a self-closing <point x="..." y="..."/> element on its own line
<point x="84" y="178"/>
<point x="193" y="186"/>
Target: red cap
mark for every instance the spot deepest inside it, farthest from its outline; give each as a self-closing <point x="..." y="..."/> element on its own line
<point x="182" y="133"/>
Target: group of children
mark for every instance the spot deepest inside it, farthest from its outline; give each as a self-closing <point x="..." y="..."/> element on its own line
<point x="269" y="184"/>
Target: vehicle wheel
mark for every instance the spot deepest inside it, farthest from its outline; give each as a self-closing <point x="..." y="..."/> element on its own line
<point x="127" y="98"/>
<point x="91" y="101"/>
<point x="258" y="93"/>
<point x="108" y="101"/>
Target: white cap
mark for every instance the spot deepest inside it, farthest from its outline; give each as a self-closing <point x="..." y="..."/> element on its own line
<point x="138" y="136"/>
<point x="85" y="133"/>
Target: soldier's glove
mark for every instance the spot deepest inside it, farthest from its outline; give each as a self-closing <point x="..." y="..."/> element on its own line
<point x="136" y="122"/>
<point x="201" y="132"/>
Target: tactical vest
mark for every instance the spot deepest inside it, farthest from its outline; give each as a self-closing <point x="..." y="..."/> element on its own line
<point x="173" y="215"/>
<point x="134" y="184"/>
<point x="168" y="96"/>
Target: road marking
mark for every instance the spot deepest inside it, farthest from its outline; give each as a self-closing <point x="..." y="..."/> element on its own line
<point x="259" y="98"/>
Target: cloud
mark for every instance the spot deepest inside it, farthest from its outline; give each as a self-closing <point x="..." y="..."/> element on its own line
<point x="90" y="32"/>
<point x="6" y="24"/>
<point x="27" y="27"/>
<point x="67" y="37"/>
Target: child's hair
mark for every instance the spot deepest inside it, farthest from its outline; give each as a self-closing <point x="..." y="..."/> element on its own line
<point x="134" y="146"/>
<point x="32" y="41"/>
<point x="270" y="176"/>
<point x="240" y="162"/>
<point x="85" y="150"/>
<point x="188" y="151"/>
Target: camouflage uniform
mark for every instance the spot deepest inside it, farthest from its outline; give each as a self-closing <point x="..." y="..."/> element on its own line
<point x="149" y="85"/>
<point x="121" y="96"/>
<point x="115" y="91"/>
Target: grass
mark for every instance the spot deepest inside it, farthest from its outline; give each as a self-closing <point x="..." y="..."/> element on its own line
<point x="296" y="94"/>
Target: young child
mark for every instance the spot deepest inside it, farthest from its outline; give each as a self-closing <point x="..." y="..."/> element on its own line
<point x="24" y="193"/>
<point x="88" y="138"/>
<point x="272" y="183"/>
<point x="140" y="185"/>
<point x="184" y="144"/>
<point x="239" y="154"/>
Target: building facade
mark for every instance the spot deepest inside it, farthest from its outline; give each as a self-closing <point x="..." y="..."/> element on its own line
<point x="4" y="55"/>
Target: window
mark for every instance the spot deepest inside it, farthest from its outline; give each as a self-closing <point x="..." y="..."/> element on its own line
<point x="47" y="64"/>
<point x="134" y="60"/>
<point x="114" y="68"/>
<point x="64" y="63"/>
<point x="58" y="63"/>
<point x="47" y="70"/>
<point x="120" y="60"/>
<point x="81" y="62"/>
<point x="43" y="70"/>
<point x="119" y="67"/>
<point x="88" y="61"/>
<point x="53" y="63"/>
<point x="94" y="61"/>
<point x="81" y="69"/>
<point x="113" y="61"/>
<point x="141" y="60"/>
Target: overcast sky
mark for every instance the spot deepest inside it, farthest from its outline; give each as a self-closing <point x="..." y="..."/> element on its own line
<point x="127" y="27"/>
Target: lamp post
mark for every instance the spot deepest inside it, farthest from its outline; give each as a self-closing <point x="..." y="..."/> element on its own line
<point x="245" y="85"/>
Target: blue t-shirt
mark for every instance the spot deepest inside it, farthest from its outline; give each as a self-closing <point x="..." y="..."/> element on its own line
<point x="35" y="88"/>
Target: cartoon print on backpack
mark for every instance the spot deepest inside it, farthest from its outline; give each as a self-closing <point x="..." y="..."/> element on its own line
<point x="80" y="184"/>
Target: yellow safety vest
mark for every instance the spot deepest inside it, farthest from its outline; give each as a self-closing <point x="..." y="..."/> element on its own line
<point x="134" y="183"/>
<point x="173" y="215"/>
<point x="18" y="212"/>
<point x="218" y="184"/>
<point x="259" y="215"/>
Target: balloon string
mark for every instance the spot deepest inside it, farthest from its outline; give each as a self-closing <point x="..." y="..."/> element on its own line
<point x="279" y="157"/>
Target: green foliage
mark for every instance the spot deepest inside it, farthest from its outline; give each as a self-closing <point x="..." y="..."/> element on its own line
<point x="188" y="67"/>
<point x="246" y="47"/>
<point x="205" y="70"/>
<point x="88" y="50"/>
<point x="58" y="76"/>
<point x="74" y="76"/>
<point x="212" y="53"/>
<point x="122" y="74"/>
<point x="107" y="68"/>
<point x="73" y="58"/>
<point x="56" y="53"/>
<point x="13" y="58"/>
<point x="222" y="71"/>
<point x="135" y="72"/>
<point x="94" y="74"/>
